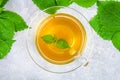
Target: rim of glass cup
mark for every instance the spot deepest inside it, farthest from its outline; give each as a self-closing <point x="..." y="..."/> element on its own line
<point x="31" y="34"/>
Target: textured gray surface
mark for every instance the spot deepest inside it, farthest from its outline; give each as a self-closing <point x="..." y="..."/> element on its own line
<point x="103" y="65"/>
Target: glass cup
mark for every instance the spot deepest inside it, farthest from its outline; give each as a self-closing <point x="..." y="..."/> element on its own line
<point x="80" y="60"/>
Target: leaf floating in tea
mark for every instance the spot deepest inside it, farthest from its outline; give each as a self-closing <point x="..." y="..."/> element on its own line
<point x="49" y="38"/>
<point x="61" y="43"/>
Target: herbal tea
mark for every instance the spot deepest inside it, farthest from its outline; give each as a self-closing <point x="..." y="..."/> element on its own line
<point x="60" y="37"/>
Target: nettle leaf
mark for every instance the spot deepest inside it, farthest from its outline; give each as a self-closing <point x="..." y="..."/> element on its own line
<point x="15" y="18"/>
<point x="44" y="4"/>
<point x="49" y="39"/>
<point x="109" y="17"/>
<point x="51" y="10"/>
<point x="10" y="42"/>
<point x="5" y="47"/>
<point x="99" y="29"/>
<point x="63" y="2"/>
<point x="61" y="43"/>
<point x="109" y="14"/>
<point x="94" y="23"/>
<point x="106" y="35"/>
<point x="116" y="40"/>
<point x="3" y="2"/>
<point x="85" y="3"/>
<point x="1" y="9"/>
<point x="107" y="21"/>
<point x="7" y="29"/>
<point x="9" y="23"/>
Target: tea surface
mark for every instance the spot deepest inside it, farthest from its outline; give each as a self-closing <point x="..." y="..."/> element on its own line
<point x="62" y="26"/>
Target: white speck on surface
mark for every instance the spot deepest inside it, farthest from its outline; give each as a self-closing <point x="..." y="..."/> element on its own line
<point x="17" y="65"/>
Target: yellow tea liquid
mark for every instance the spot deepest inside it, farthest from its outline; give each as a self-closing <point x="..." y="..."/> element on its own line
<point x="66" y="27"/>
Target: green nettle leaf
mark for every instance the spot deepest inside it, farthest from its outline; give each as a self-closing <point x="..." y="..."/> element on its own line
<point x="48" y="39"/>
<point x="109" y="17"/>
<point x="63" y="2"/>
<point x="10" y="42"/>
<point x="106" y="35"/>
<point x="15" y="18"/>
<point x="9" y="23"/>
<point x="43" y="4"/>
<point x="1" y="9"/>
<point x="94" y="23"/>
<point x="4" y="49"/>
<point x="85" y="3"/>
<point x="51" y="10"/>
<point x="107" y="21"/>
<point x="109" y="14"/>
<point x="102" y="31"/>
<point x="3" y="2"/>
<point x="116" y="40"/>
<point x="61" y="43"/>
<point x="7" y="29"/>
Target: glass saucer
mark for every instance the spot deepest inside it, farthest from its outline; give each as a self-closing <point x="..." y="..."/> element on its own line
<point x="80" y="60"/>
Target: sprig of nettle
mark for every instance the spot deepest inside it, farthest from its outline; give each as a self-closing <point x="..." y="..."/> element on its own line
<point x="106" y="22"/>
<point x="10" y="22"/>
<point x="44" y="4"/>
<point x="60" y="43"/>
